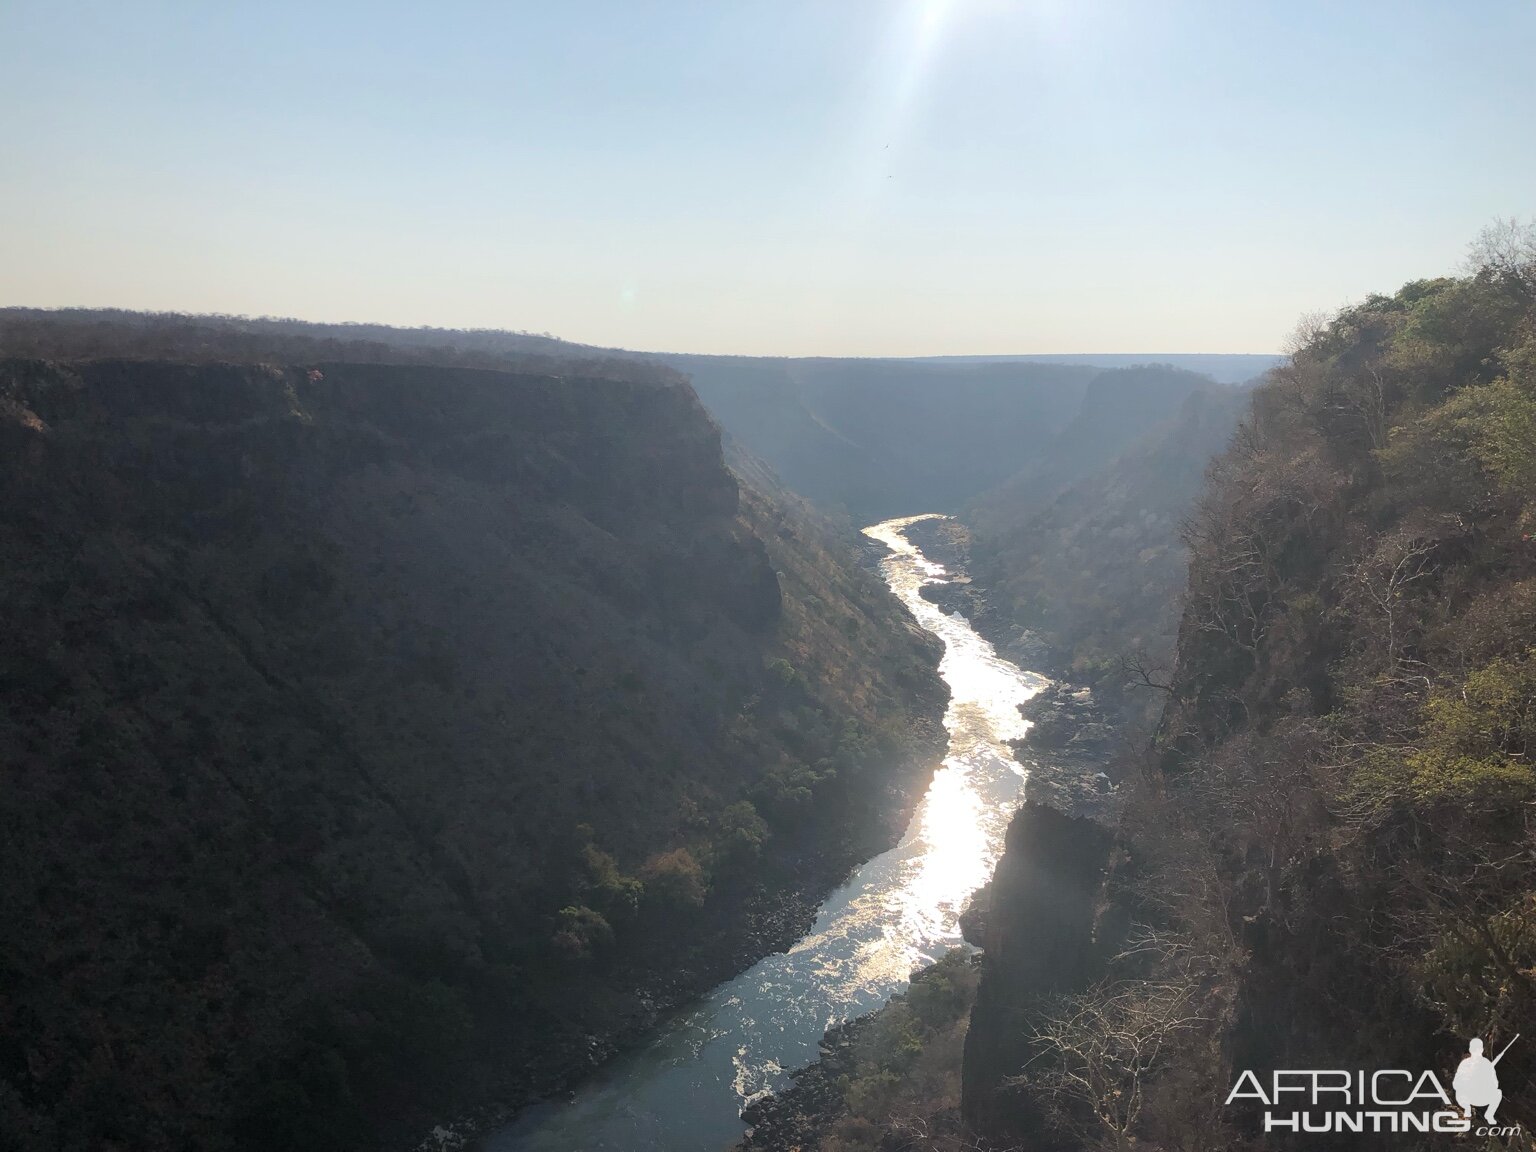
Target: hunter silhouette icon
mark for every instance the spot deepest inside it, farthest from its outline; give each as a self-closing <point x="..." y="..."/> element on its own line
<point x="1477" y="1084"/>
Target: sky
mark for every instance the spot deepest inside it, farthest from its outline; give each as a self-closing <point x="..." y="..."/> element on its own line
<point x="800" y="177"/>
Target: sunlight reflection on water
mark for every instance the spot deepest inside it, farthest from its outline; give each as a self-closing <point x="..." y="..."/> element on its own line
<point x="684" y="1091"/>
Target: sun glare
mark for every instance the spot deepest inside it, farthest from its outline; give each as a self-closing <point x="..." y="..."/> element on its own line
<point x="932" y="18"/>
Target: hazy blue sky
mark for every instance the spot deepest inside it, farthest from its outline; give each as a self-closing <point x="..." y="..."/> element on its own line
<point x="802" y="176"/>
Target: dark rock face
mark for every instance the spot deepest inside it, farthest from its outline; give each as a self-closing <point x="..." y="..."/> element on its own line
<point x="318" y="684"/>
<point x="1066" y="721"/>
<point x="1040" y="941"/>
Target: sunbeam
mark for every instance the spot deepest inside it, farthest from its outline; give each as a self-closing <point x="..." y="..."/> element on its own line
<point x="901" y="68"/>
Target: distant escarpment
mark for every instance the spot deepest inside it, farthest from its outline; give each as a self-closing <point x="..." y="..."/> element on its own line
<point x="885" y="438"/>
<point x="889" y="438"/>
<point x="384" y="743"/>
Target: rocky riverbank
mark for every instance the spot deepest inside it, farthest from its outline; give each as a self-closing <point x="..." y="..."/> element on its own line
<point x="1073" y="744"/>
<point x="948" y="542"/>
<point x="893" y="1072"/>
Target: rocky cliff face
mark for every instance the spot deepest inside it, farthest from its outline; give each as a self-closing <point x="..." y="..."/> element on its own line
<point x="1039" y="943"/>
<point x="381" y="740"/>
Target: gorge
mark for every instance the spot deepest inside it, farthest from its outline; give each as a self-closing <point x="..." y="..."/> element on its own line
<point x="438" y="721"/>
<point x="860" y="576"/>
<point x="1324" y="857"/>
<point x="485" y="733"/>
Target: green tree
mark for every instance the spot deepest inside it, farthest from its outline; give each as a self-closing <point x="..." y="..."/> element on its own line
<point x="581" y="932"/>
<point x="1475" y="737"/>
<point x="675" y="881"/>
<point x="608" y="889"/>
<point x="742" y="832"/>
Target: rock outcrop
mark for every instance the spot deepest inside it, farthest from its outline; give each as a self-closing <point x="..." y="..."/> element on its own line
<point x="1039" y="943"/>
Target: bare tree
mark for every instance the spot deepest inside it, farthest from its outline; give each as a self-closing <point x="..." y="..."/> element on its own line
<point x="1507" y="247"/>
<point x="1384" y="579"/>
<point x="1145" y="671"/>
<point x="1308" y="328"/>
<point x="1098" y="1050"/>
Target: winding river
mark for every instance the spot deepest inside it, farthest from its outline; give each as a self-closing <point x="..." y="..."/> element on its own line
<point x="684" y="1091"/>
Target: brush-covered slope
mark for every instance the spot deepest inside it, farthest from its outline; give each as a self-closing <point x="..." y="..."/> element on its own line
<point x="1331" y="854"/>
<point x="380" y="740"/>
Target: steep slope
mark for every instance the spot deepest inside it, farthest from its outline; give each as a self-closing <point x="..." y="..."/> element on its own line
<point x="1330" y="857"/>
<point x="1097" y="572"/>
<point x="383" y="740"/>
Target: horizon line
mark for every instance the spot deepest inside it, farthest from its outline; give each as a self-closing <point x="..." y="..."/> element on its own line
<point x="272" y="317"/>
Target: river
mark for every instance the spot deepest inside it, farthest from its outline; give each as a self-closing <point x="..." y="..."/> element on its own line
<point x="684" y="1091"/>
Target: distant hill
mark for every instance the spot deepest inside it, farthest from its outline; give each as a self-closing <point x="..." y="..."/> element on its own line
<point x="1223" y="367"/>
<point x="1119" y="407"/>
<point x="883" y="438"/>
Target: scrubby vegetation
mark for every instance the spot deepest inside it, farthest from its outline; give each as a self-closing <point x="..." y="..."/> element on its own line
<point x="1331" y="854"/>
